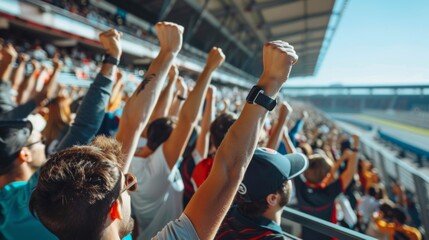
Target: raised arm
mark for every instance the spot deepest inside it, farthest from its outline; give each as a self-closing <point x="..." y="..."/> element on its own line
<point x="26" y="89"/>
<point x="210" y="203"/>
<point x="284" y="112"/>
<point x="91" y="111"/>
<point x="290" y="147"/>
<point x="9" y="56"/>
<point x="179" y="97"/>
<point x="164" y="101"/>
<point x="116" y="97"/>
<point x="202" y="145"/>
<point x="39" y="99"/>
<point x="141" y="104"/>
<point x="352" y="158"/>
<point x="176" y="143"/>
<point x="18" y="74"/>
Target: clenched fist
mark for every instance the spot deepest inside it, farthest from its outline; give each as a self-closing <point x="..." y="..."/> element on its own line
<point x="215" y="58"/>
<point x="9" y="54"/>
<point x="111" y="41"/>
<point x="170" y="36"/>
<point x="57" y="63"/>
<point x="278" y="58"/>
<point x="173" y="73"/>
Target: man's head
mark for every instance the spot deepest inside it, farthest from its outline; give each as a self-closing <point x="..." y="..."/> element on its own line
<point x="159" y="131"/>
<point x="81" y="192"/>
<point x="20" y="144"/>
<point x="399" y="216"/>
<point x="319" y="166"/>
<point x="266" y="183"/>
<point x="220" y="126"/>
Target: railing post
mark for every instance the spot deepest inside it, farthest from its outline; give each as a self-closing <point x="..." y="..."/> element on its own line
<point x="386" y="178"/>
<point x="422" y="198"/>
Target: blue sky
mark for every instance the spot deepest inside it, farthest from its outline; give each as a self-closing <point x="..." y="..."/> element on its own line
<point x="378" y="42"/>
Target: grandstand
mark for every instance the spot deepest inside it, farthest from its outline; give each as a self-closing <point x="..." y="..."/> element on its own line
<point x="392" y="120"/>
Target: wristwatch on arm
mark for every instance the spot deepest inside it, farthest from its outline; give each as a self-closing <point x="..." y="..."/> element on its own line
<point x="109" y="59"/>
<point x="257" y="96"/>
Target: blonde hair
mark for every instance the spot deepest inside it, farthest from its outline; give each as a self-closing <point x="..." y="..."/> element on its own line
<point x="58" y="118"/>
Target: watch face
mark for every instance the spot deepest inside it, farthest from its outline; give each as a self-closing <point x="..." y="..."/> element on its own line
<point x="254" y="92"/>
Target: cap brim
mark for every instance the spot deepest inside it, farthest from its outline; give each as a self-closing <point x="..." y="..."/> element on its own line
<point x="298" y="164"/>
<point x="17" y="124"/>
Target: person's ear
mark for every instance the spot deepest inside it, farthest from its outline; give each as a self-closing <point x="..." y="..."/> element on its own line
<point x="115" y="212"/>
<point x="272" y="199"/>
<point x="24" y="155"/>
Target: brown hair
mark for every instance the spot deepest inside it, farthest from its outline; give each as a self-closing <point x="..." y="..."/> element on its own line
<point x="159" y="131"/>
<point x="319" y="167"/>
<point x="220" y="127"/>
<point x="76" y="189"/>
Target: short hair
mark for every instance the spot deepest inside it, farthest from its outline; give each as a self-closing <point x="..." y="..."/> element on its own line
<point x="77" y="188"/>
<point x="255" y="209"/>
<point x="374" y="191"/>
<point x="399" y="215"/>
<point x="159" y="131"/>
<point x="220" y="127"/>
<point x="319" y="167"/>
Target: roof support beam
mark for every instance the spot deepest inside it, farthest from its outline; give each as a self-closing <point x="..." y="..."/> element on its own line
<point x="268" y="25"/>
<point x="167" y="5"/>
<point x="304" y="31"/>
<point x="274" y="3"/>
<point x="309" y="40"/>
<point x="214" y="22"/>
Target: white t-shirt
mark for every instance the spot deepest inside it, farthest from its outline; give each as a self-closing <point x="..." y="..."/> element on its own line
<point x="367" y="207"/>
<point x="159" y="196"/>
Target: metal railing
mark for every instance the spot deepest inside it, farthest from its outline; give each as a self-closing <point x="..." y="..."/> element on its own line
<point x="322" y="226"/>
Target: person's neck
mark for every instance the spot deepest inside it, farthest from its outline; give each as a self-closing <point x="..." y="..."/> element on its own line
<point x="144" y="152"/>
<point x="18" y="174"/>
<point x="274" y="215"/>
<point x="110" y="233"/>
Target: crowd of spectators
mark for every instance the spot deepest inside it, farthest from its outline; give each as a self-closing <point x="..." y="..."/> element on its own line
<point x="176" y="160"/>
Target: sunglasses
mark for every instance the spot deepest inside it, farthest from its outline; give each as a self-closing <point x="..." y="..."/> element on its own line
<point x="130" y="183"/>
<point x="42" y="141"/>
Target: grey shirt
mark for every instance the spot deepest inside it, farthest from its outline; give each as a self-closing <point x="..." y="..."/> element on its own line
<point x="181" y="228"/>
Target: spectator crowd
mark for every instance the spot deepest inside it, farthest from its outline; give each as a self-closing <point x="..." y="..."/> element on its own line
<point x="174" y="159"/>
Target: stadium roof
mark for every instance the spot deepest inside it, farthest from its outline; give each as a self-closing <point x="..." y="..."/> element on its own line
<point x="240" y="27"/>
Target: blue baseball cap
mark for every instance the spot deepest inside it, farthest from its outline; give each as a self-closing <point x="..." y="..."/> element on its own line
<point x="267" y="172"/>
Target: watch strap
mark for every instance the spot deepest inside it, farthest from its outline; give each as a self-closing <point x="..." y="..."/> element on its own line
<point x="110" y="59"/>
<point x="266" y="101"/>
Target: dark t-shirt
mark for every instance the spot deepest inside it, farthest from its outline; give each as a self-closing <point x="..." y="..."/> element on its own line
<point x="318" y="201"/>
<point x="237" y="226"/>
<point x="186" y="169"/>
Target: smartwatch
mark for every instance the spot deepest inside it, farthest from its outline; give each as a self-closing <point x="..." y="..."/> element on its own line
<point x="109" y="59"/>
<point x="257" y="96"/>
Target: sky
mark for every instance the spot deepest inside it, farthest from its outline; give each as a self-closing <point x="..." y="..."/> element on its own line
<point x="377" y="42"/>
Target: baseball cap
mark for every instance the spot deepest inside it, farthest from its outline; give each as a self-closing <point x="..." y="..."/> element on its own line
<point x="268" y="170"/>
<point x="13" y="136"/>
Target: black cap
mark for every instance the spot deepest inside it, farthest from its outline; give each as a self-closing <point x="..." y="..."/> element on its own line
<point x="13" y="136"/>
<point x="268" y="170"/>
